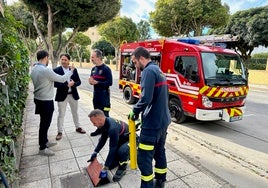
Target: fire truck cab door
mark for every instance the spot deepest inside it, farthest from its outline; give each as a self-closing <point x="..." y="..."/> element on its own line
<point x="186" y="71"/>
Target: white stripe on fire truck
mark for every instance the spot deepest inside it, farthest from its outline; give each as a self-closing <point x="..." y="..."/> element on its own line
<point x="180" y="84"/>
<point x="180" y="88"/>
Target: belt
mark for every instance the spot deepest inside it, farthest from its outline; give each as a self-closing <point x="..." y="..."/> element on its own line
<point x="123" y="128"/>
<point x="70" y="93"/>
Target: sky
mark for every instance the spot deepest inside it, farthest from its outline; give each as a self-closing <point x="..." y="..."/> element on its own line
<point x="139" y="9"/>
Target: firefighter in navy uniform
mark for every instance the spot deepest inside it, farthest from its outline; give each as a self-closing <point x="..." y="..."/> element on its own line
<point x="153" y="104"/>
<point x="118" y="134"/>
<point x="101" y="78"/>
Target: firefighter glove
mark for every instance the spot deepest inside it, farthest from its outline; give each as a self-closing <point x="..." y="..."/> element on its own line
<point x="138" y="124"/>
<point x="133" y="116"/>
<point x="93" y="156"/>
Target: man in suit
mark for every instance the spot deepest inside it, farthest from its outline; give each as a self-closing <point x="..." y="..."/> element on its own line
<point x="67" y="93"/>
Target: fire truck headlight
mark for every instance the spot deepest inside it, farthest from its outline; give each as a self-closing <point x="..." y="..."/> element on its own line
<point x="206" y="102"/>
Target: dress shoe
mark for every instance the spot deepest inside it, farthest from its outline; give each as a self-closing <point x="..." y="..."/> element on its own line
<point x="80" y="130"/>
<point x="59" y="136"/>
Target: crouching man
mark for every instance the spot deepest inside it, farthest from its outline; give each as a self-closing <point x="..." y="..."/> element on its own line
<point x="117" y="131"/>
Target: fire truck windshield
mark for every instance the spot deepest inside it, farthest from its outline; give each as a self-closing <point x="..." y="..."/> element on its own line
<point x="223" y="69"/>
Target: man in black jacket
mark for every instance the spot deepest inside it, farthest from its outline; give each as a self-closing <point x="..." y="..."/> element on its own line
<point x="67" y="93"/>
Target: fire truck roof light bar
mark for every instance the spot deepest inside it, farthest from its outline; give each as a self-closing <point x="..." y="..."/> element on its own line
<point x="189" y="41"/>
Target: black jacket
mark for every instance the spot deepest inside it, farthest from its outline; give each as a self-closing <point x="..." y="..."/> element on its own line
<point x="62" y="88"/>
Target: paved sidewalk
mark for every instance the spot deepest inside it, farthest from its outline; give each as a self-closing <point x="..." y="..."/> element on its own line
<point x="67" y="167"/>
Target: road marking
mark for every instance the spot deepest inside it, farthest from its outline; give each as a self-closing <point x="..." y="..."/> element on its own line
<point x="249" y="115"/>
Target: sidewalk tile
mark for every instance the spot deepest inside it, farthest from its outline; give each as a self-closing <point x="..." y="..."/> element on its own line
<point x="199" y="179"/>
<point x="32" y="161"/>
<point x="177" y="183"/>
<point x="45" y="183"/>
<point x="36" y="173"/>
<point x="62" y="155"/>
<point x="63" y="167"/>
<point x="83" y="151"/>
<point x="82" y="141"/>
<point x="31" y="150"/>
<point x="181" y="168"/>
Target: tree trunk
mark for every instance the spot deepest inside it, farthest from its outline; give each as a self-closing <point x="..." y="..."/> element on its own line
<point x="116" y="50"/>
<point x="49" y="36"/>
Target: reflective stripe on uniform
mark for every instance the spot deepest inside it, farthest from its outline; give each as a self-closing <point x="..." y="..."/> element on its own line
<point x="160" y="170"/>
<point x="123" y="162"/>
<point x="106" y="109"/>
<point x="147" y="178"/>
<point x="146" y="147"/>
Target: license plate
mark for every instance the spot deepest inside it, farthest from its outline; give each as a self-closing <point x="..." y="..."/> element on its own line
<point x="235" y="118"/>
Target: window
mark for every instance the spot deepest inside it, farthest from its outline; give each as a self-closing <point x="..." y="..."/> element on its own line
<point x="187" y="66"/>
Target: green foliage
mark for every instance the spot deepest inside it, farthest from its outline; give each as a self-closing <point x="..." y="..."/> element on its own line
<point x="76" y="13"/>
<point x="250" y="27"/>
<point x="22" y="14"/>
<point x="14" y="62"/>
<point x="144" y="30"/>
<point x="104" y="46"/>
<point x="118" y="30"/>
<point x="260" y="55"/>
<point x="257" y="63"/>
<point x="81" y="39"/>
<point x="184" y="17"/>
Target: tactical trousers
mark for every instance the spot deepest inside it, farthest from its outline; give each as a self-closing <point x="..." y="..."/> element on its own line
<point x="101" y="100"/>
<point x="152" y="146"/>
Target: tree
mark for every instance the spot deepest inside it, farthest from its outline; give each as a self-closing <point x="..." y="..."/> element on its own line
<point x="251" y="29"/>
<point x="80" y="43"/>
<point x="79" y="15"/>
<point x="187" y="17"/>
<point x="27" y="31"/>
<point x="118" y="30"/>
<point x="144" y="30"/>
<point x="105" y="47"/>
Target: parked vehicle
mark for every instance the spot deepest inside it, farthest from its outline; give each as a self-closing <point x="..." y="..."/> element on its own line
<point x="205" y="82"/>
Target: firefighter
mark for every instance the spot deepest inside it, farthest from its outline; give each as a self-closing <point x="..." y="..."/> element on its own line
<point x="153" y="104"/>
<point x="101" y="78"/>
<point x="118" y="134"/>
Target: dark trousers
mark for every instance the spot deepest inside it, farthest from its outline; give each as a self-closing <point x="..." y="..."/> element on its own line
<point x="157" y="139"/>
<point x="45" y="109"/>
<point x="122" y="155"/>
<point x="101" y="101"/>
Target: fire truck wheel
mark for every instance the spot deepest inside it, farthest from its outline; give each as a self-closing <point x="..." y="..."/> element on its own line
<point x="128" y="96"/>
<point x="176" y="110"/>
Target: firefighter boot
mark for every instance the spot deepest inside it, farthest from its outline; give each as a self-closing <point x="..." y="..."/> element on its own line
<point x="120" y="172"/>
<point x="159" y="183"/>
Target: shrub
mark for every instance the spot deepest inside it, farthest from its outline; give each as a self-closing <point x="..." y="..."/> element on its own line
<point x="14" y="65"/>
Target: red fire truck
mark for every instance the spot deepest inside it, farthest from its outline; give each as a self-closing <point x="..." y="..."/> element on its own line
<point x="205" y="82"/>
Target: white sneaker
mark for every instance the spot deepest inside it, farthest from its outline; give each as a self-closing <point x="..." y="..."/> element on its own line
<point x="46" y="152"/>
<point x="51" y="144"/>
